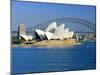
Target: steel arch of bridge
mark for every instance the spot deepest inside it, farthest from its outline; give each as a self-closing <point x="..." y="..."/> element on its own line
<point x="82" y="22"/>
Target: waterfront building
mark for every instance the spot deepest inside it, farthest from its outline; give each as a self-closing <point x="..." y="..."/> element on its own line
<point x="52" y="32"/>
<point x="59" y="34"/>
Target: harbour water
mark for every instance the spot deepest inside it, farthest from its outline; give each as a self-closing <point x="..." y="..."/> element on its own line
<point x="52" y="59"/>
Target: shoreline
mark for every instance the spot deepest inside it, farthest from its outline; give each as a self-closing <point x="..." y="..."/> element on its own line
<point x="49" y="43"/>
<point x="44" y="45"/>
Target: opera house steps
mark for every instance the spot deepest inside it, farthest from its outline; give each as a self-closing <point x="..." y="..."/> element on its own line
<point x="68" y="42"/>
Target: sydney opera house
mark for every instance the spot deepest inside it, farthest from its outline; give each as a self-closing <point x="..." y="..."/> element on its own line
<point x="52" y="32"/>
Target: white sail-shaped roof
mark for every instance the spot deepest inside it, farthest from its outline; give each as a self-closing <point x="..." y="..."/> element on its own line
<point x="54" y="37"/>
<point x="67" y="30"/>
<point x="60" y="32"/>
<point x="70" y="34"/>
<point x="30" y="37"/>
<point x="53" y="25"/>
<point x="40" y="33"/>
<point x="48" y="35"/>
<point x="26" y="37"/>
<point x="66" y="34"/>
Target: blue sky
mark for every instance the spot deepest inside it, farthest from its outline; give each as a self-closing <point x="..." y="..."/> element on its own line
<point x="32" y="13"/>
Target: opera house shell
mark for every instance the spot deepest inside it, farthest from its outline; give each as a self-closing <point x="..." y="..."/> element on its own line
<point x="26" y="37"/>
<point x="52" y="32"/>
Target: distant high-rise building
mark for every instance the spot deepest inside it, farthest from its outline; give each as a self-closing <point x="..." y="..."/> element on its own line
<point x="21" y="30"/>
<point x="22" y="33"/>
<point x="77" y="37"/>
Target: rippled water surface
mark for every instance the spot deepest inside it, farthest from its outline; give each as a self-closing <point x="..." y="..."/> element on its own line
<point x="48" y="59"/>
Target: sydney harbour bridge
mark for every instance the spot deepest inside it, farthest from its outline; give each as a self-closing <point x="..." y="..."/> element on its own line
<point x="74" y="24"/>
